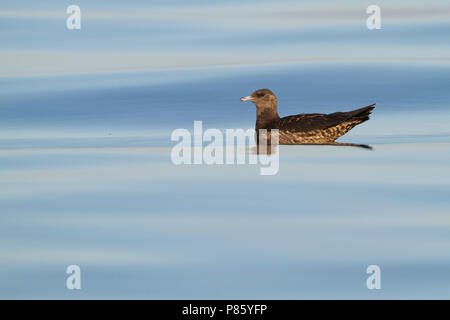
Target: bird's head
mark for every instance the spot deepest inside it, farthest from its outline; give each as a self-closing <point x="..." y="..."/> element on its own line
<point x="262" y="98"/>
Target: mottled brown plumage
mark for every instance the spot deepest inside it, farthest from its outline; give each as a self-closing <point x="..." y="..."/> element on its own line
<point x="313" y="128"/>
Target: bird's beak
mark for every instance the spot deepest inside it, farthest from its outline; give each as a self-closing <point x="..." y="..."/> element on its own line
<point x="247" y="98"/>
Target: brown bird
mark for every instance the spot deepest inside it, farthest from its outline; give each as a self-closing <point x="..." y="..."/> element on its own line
<point x="312" y="128"/>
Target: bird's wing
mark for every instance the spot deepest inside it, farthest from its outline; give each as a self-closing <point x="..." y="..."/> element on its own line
<point x="319" y="121"/>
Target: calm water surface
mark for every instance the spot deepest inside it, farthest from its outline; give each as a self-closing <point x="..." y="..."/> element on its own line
<point x="86" y="179"/>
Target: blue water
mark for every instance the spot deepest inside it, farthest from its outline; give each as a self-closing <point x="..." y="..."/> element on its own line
<point x="105" y="195"/>
<point x="86" y="176"/>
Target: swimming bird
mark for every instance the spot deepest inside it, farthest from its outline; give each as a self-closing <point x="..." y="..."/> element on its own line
<point x="312" y="128"/>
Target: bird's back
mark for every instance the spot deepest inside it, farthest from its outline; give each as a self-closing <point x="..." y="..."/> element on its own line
<point x="317" y="128"/>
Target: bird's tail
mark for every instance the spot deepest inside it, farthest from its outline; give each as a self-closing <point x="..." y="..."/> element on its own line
<point x="361" y="114"/>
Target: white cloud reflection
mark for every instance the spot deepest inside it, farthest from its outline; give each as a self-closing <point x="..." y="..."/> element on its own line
<point x="147" y="37"/>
